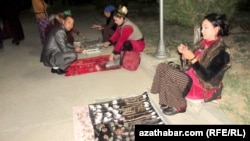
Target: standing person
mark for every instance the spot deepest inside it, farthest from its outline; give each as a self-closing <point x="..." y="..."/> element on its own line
<point x="12" y="27"/>
<point x="127" y="35"/>
<point x="40" y="11"/>
<point x="109" y="27"/>
<point x="202" y="78"/>
<point x="57" y="53"/>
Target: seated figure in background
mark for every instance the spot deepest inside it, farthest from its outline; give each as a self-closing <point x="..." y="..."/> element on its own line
<point x="109" y="27"/>
<point x="127" y="35"/>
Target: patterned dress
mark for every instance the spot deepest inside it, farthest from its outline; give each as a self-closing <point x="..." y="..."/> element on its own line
<point x="41" y="15"/>
<point x="12" y="27"/>
<point x="171" y="84"/>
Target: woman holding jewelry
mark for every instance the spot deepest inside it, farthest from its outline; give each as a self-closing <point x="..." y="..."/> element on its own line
<point x="203" y="74"/>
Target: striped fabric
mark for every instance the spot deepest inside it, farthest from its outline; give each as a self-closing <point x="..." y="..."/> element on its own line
<point x="170" y="83"/>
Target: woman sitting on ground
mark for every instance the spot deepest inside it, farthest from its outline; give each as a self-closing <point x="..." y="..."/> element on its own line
<point x="203" y="74"/>
<point x="127" y="35"/>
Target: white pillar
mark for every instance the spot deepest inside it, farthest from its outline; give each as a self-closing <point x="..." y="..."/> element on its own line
<point x="161" y="51"/>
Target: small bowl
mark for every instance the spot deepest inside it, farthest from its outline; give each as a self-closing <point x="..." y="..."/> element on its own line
<point x="97" y="121"/>
<point x="114" y="102"/>
<point x="117" y="116"/>
<point x="153" y="113"/>
<point x="116" y="106"/>
<point x="106" y="104"/>
<point x="110" y="109"/>
<point x="99" y="114"/>
<point x="98" y="110"/>
<point x="106" y="119"/>
<point x="115" y="111"/>
<point x="108" y="114"/>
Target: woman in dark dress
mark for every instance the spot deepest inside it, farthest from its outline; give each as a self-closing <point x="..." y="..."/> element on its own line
<point x="12" y="27"/>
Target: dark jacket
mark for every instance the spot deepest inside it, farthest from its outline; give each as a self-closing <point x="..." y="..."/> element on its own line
<point x="212" y="65"/>
<point x="110" y="23"/>
<point x="55" y="42"/>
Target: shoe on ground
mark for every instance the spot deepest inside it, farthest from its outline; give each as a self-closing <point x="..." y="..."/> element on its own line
<point x="16" y="42"/>
<point x="112" y="64"/>
<point x="172" y="110"/>
<point x="58" y="71"/>
<point x="163" y="107"/>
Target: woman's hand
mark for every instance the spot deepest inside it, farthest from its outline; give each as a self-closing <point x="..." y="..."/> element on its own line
<point x="100" y="28"/>
<point x="78" y="49"/>
<point x="111" y="57"/>
<point x="187" y="54"/>
<point x="96" y="26"/>
<point x="106" y="44"/>
<point x="182" y="48"/>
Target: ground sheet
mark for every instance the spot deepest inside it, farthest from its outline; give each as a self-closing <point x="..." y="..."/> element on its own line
<point x="89" y="65"/>
<point x="114" y="120"/>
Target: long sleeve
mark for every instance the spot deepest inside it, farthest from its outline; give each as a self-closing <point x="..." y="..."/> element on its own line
<point x="61" y="39"/>
<point x="216" y="65"/>
<point x="126" y="31"/>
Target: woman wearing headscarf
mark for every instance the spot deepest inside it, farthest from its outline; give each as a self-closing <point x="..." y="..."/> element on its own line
<point x="127" y="36"/>
<point x="12" y="26"/>
<point x="109" y="27"/>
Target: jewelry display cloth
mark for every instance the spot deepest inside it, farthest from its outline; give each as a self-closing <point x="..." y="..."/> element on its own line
<point x="114" y="119"/>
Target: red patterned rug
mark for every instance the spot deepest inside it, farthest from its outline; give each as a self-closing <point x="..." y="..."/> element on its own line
<point x="89" y="65"/>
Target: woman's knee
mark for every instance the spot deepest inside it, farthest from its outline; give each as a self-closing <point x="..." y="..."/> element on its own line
<point x="162" y="65"/>
<point x="127" y="45"/>
<point x="70" y="56"/>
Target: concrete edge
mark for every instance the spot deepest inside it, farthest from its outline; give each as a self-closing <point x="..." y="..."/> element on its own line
<point x="202" y="113"/>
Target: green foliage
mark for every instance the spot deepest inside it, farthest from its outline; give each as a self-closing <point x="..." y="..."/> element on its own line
<point x="191" y="12"/>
